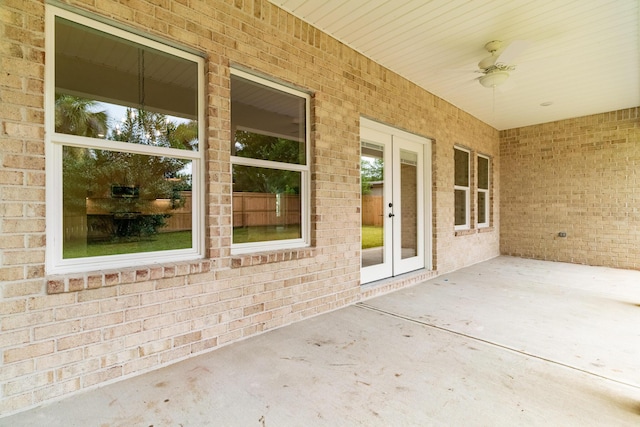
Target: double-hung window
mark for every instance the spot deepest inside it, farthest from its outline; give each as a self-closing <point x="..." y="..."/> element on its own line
<point x="462" y="188"/>
<point x="124" y="132"/>
<point x="483" y="191"/>
<point x="270" y="164"/>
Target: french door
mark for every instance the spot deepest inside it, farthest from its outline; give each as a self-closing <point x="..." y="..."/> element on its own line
<point x="393" y="201"/>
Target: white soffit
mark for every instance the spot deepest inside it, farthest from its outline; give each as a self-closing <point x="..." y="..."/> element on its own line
<point x="584" y="55"/>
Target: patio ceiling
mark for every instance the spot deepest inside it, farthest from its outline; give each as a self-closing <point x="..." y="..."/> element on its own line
<point x="583" y="56"/>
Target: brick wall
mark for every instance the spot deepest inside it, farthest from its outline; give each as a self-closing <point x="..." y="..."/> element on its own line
<point x="579" y="176"/>
<point x="458" y="249"/>
<point x="62" y="334"/>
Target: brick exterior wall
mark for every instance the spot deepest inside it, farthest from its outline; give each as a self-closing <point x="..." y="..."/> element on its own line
<point x="579" y="176"/>
<point x="63" y="334"/>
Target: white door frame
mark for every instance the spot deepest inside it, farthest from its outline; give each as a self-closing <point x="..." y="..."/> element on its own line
<point x="393" y="140"/>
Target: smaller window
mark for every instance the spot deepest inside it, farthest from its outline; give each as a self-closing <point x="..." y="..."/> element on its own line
<point x="269" y="164"/>
<point x="461" y="188"/>
<point x="484" y="205"/>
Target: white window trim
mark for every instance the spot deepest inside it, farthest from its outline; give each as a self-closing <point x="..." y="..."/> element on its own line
<point x="305" y="172"/>
<point x="487" y="206"/>
<point x="54" y="142"/>
<point x="467" y="191"/>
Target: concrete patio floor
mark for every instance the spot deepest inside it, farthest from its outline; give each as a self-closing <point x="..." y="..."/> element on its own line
<point x="508" y="342"/>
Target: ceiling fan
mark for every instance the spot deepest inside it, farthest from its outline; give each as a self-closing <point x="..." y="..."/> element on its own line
<point x="495" y="67"/>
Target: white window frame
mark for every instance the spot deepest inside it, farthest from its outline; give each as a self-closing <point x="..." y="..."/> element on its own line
<point x="54" y="143"/>
<point x="305" y="184"/>
<point x="466" y="189"/>
<point x="486" y="191"/>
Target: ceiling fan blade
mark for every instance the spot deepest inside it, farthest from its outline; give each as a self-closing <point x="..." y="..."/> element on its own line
<point x="511" y="52"/>
<point x="508" y="85"/>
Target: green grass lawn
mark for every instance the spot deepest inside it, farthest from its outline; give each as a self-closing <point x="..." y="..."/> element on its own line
<point x="371" y="236"/>
<point x="265" y="233"/>
<point x="157" y="242"/>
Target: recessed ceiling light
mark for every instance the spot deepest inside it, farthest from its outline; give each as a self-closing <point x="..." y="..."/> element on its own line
<point x="546" y="104"/>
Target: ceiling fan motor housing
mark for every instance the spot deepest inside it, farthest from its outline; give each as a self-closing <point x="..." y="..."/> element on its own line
<point x="493" y="46"/>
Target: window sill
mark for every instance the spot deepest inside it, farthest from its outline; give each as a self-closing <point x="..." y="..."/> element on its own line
<point x="75" y="282"/>
<point x="473" y="231"/>
<point x="259" y="258"/>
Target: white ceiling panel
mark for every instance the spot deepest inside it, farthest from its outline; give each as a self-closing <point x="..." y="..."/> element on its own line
<point x="583" y="55"/>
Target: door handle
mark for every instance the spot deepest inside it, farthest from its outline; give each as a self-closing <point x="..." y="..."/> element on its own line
<point x="391" y="215"/>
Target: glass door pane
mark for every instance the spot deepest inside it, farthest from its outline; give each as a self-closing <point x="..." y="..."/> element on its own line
<point x="409" y="204"/>
<point x="372" y="180"/>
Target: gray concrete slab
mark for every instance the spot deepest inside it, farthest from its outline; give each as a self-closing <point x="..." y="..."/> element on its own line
<point x="584" y="317"/>
<point x="495" y="344"/>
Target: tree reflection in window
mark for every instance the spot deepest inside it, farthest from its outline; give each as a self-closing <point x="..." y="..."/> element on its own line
<point x="265" y="180"/>
<point x="265" y="147"/>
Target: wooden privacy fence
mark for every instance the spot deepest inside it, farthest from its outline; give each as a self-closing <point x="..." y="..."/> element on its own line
<point x="180" y="219"/>
<point x="249" y="209"/>
<point x="372" y="210"/>
<point x="77" y="225"/>
<point x="265" y="209"/>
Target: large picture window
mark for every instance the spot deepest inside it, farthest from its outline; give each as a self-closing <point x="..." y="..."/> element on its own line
<point x="270" y="164"/>
<point x="124" y="152"/>
<point x="483" y="191"/>
<point x="461" y="188"/>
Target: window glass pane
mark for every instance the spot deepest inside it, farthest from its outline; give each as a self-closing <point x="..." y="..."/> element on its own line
<point x="483" y="173"/>
<point x="119" y="203"/>
<point x="102" y="79"/>
<point x="482" y="207"/>
<point x="264" y="115"/>
<point x="460" y="207"/>
<point x="263" y="147"/>
<point x="266" y="204"/>
<point x="461" y="159"/>
<point x="85" y="117"/>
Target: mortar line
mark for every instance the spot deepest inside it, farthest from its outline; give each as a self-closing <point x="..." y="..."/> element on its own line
<point x="491" y="343"/>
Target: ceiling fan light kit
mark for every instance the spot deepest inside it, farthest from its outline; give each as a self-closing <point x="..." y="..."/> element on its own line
<point x="494" y="78"/>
